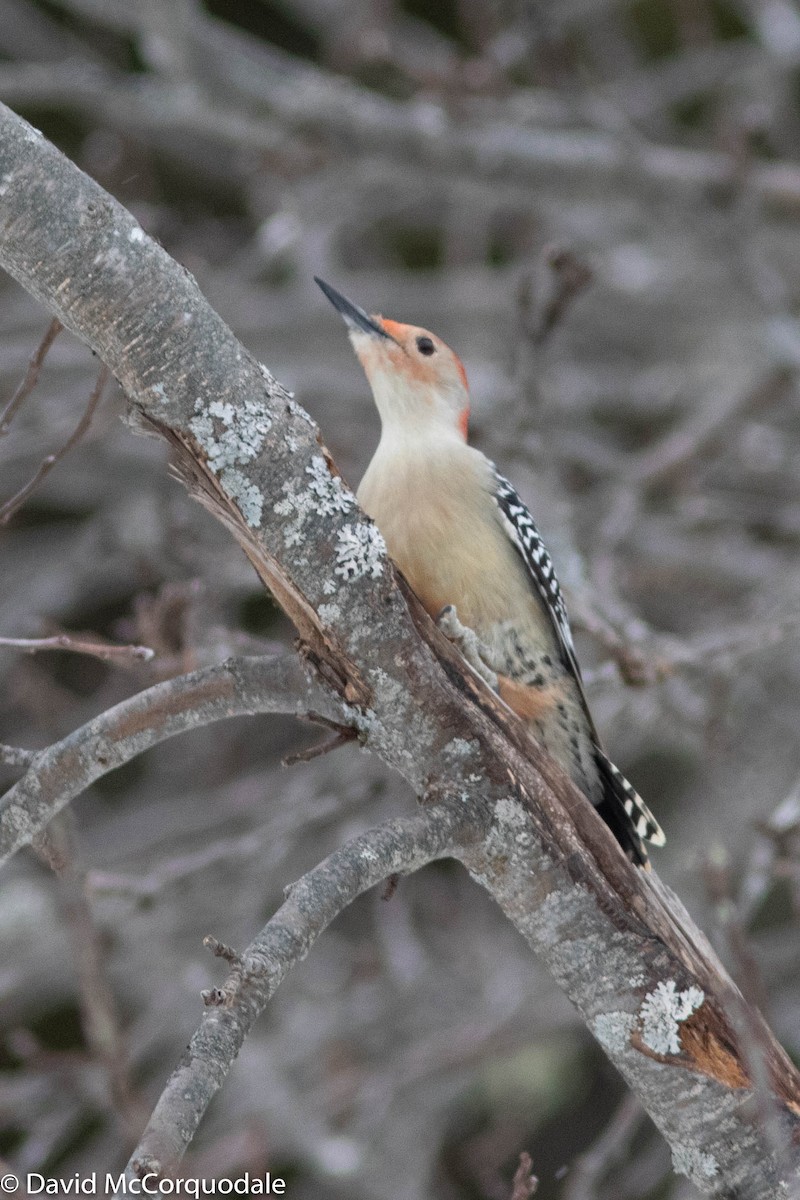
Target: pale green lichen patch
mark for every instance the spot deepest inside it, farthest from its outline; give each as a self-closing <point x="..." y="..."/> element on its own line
<point x="360" y="552"/>
<point x="662" y="1012"/>
<point x="326" y="496"/>
<point x="297" y="505"/>
<point x="249" y="498"/>
<point x="613" y="1030"/>
<point x="298" y="411"/>
<point x="510" y="813"/>
<point x="459" y="748"/>
<point x="408" y="743"/>
<point x="330" y="492"/>
<point x="509" y="822"/>
<point x="365" y="722"/>
<point x="231" y="435"/>
<point x="694" y="1164"/>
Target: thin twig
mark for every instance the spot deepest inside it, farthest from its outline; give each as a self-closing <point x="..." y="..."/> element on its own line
<point x="718" y="877"/>
<point x="31" y="375"/>
<point x="392" y="884"/>
<point x="636" y="668"/>
<point x="221" y="950"/>
<point x="736" y="641"/>
<point x="547" y="293"/>
<point x="642" y="667"/>
<point x="65" y="641"/>
<point x="775" y="847"/>
<point x="311" y="752"/>
<point x="8" y="509"/>
<point x="99" y="1016"/>
<point x="524" y="1183"/>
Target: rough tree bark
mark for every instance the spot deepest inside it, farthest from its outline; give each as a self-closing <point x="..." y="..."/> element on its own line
<point x="703" y="1063"/>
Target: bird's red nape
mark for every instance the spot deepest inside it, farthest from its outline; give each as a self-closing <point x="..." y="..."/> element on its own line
<point x="463" y="420"/>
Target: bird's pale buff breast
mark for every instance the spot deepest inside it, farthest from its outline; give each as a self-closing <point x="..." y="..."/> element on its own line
<point x="450" y="545"/>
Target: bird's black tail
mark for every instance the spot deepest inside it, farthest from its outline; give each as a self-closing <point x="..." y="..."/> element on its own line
<point x="626" y="814"/>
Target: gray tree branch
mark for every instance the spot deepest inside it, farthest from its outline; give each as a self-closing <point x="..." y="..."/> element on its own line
<point x="642" y="975"/>
<point x="238" y="687"/>
<point x="312" y="902"/>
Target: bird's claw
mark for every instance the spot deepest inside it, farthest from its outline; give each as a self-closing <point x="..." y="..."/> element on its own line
<point x="468" y="643"/>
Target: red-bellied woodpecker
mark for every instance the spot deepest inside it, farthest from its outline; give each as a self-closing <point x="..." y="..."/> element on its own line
<point x="469" y="548"/>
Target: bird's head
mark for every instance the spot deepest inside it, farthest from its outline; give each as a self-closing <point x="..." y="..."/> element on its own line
<point x="417" y="381"/>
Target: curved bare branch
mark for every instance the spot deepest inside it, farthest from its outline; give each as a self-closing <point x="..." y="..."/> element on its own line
<point x="399" y="846"/>
<point x="236" y="688"/>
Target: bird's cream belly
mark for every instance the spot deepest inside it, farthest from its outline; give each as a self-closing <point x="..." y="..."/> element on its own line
<point x="448" y="544"/>
<point x="444" y="536"/>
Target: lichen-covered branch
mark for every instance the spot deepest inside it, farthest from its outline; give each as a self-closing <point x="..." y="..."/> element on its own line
<point x="238" y="687"/>
<point x="311" y="904"/>
<point x="621" y="946"/>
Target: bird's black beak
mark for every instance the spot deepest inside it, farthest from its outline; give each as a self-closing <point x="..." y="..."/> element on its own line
<point x="354" y="317"/>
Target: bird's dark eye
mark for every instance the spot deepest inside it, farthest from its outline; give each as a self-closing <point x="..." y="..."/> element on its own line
<point x="425" y="345"/>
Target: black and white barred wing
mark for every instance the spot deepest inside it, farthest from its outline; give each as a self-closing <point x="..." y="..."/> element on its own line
<point x="519" y="525"/>
<point x="521" y="529"/>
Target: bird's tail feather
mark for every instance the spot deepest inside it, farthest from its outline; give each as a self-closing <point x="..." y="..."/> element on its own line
<point x="624" y="810"/>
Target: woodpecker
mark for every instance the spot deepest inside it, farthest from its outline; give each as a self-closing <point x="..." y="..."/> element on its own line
<point x="468" y="546"/>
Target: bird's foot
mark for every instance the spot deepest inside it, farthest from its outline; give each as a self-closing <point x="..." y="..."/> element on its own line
<point x="468" y="643"/>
